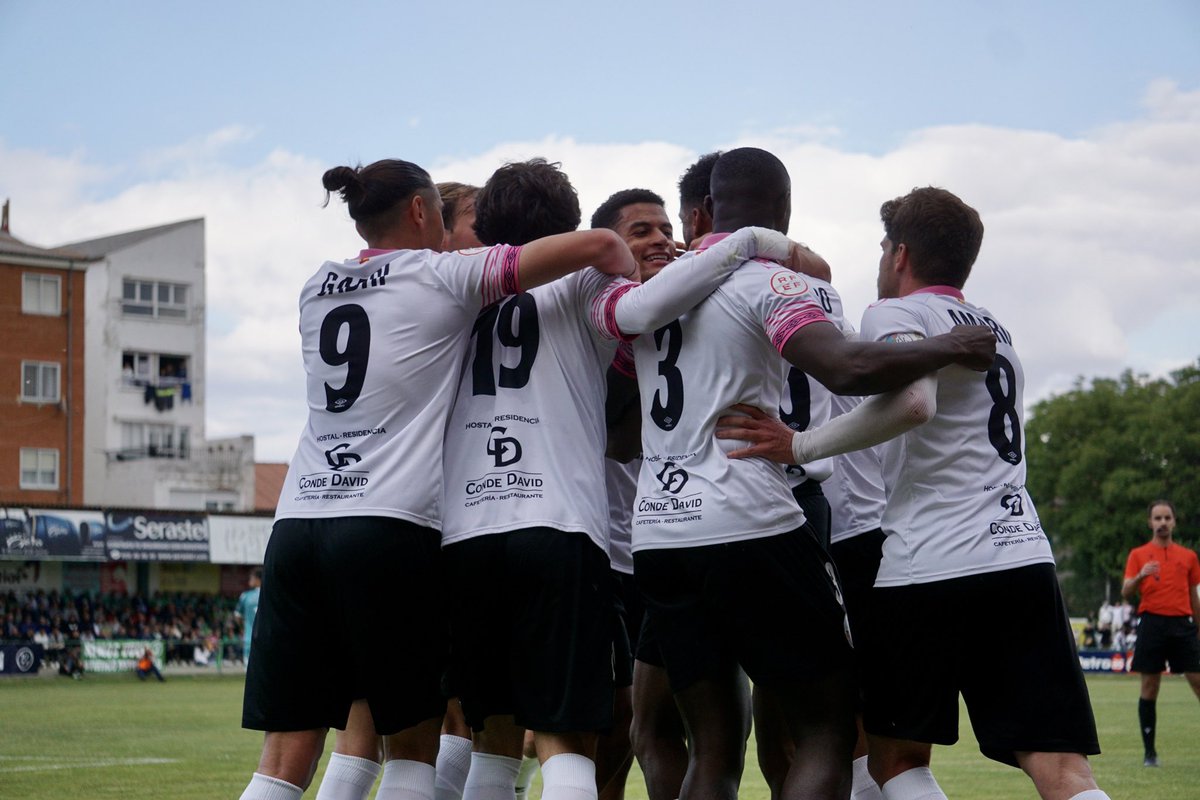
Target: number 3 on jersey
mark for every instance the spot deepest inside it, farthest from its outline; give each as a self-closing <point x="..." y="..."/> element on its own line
<point x="353" y="353"/>
<point x="666" y="411"/>
<point x="500" y="317"/>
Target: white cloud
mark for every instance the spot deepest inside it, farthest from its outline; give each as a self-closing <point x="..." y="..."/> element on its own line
<point x="1089" y="240"/>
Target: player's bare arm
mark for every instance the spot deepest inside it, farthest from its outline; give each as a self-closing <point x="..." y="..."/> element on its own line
<point x="552" y="257"/>
<point x="853" y="367"/>
<point x="878" y="419"/>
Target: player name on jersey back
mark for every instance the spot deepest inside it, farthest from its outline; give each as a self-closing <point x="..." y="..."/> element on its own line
<point x="956" y="498"/>
<point x="378" y="334"/>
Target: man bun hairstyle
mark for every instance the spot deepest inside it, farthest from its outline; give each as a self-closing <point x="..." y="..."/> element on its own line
<point x="374" y="193"/>
<point x="524" y="201"/>
<point x="609" y="212"/>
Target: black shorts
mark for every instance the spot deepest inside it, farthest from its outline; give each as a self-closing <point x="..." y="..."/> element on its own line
<point x="1162" y="640"/>
<point x="531" y="623"/>
<point x="648" y="649"/>
<point x="857" y="560"/>
<point x="350" y="609"/>
<point x="812" y="501"/>
<point x="1002" y="639"/>
<point x="628" y="613"/>
<point x="770" y="605"/>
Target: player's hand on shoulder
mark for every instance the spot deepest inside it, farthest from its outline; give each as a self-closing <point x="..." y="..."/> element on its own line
<point x="803" y="260"/>
<point x="764" y="435"/>
<point x="976" y="346"/>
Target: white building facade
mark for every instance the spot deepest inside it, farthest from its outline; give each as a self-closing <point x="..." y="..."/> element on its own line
<point x="144" y="378"/>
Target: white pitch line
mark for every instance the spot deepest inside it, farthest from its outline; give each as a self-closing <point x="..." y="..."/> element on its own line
<point x="89" y="764"/>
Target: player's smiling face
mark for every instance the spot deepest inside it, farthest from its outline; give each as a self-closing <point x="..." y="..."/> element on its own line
<point x="648" y="232"/>
<point x="1162" y="520"/>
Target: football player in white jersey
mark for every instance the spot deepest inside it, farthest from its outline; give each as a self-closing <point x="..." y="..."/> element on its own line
<point x="525" y="514"/>
<point x="357" y="523"/>
<point x="719" y="544"/>
<point x="962" y="536"/>
<point x="640" y="218"/>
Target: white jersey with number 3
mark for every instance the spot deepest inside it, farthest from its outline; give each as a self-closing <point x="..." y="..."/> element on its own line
<point x="382" y="338"/>
<point x="725" y="351"/>
<point x="956" y="498"/>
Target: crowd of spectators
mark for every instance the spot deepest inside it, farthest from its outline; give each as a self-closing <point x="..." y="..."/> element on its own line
<point x="1113" y="628"/>
<point x="193" y="627"/>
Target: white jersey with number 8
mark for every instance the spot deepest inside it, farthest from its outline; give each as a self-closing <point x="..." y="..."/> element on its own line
<point x="956" y="498"/>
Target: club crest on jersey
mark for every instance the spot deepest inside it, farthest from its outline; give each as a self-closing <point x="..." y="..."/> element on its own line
<point x="672" y="478"/>
<point x="1014" y="503"/>
<point x="788" y="283"/>
<point x="340" y="457"/>
<point x="505" y="450"/>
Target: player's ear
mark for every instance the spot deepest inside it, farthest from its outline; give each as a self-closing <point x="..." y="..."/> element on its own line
<point x="417" y="210"/>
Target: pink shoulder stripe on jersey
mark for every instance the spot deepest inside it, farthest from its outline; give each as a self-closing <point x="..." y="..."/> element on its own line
<point x="710" y="240"/>
<point x="785" y="322"/>
<point x="604" y="310"/>
<point x="623" y="361"/>
<point x="500" y="274"/>
<point x="950" y="290"/>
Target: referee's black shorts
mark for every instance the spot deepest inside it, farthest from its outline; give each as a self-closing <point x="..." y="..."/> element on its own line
<point x="1163" y="640"/>
<point x="350" y="609"/>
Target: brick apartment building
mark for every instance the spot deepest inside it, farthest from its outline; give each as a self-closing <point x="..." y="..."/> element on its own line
<point x="42" y="398"/>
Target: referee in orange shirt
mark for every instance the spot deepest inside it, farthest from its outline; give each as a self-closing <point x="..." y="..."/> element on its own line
<point x="1165" y="575"/>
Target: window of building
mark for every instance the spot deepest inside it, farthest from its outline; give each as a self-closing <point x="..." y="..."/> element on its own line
<point x="39" y="468"/>
<point x="154" y="299"/>
<point x="41" y="294"/>
<point x="39" y="382"/>
<point x="154" y="440"/>
<point x="159" y="369"/>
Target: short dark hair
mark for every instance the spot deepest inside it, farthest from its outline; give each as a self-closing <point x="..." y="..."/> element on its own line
<point x="609" y="212"/>
<point x="257" y="572"/>
<point x="942" y="233"/>
<point x="695" y="182"/>
<point x="751" y="186"/>
<point x="454" y="195"/>
<point x="374" y="193"/>
<point x="1167" y="503"/>
<point x="526" y="200"/>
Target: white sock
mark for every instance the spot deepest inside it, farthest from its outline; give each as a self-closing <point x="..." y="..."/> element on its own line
<point x="491" y="777"/>
<point x="864" y="786"/>
<point x="264" y="787"/>
<point x="453" y="761"/>
<point x="529" y="768"/>
<point x="1092" y="794"/>
<point x="406" y="780"/>
<point x="348" y="778"/>
<point x="569" y="776"/>
<point x="914" y="784"/>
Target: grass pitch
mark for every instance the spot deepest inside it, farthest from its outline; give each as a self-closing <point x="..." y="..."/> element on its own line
<point x="112" y="736"/>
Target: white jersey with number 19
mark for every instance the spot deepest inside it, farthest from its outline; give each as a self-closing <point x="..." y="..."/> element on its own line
<point x="382" y="337"/>
<point x="956" y="498"/>
<point x="724" y="351"/>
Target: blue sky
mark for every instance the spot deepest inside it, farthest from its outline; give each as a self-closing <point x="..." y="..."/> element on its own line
<point x="1074" y="127"/>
